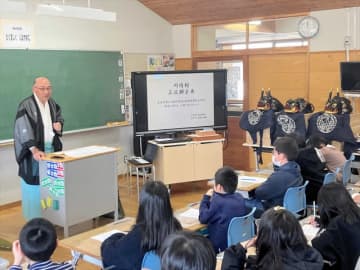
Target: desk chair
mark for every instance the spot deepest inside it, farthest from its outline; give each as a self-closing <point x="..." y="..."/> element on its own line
<point x="295" y="199"/>
<point x="330" y="177"/>
<point x="151" y="261"/>
<point x="241" y="228"/>
<point x="142" y="165"/>
<point x="141" y="170"/>
<point x="346" y="170"/>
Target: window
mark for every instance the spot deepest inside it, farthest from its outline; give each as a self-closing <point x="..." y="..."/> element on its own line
<point x="272" y="33"/>
<point x="235" y="80"/>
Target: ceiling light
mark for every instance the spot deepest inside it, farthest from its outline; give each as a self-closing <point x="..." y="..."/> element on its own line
<point x="257" y="22"/>
<point x="75" y="12"/>
<point x="7" y="6"/>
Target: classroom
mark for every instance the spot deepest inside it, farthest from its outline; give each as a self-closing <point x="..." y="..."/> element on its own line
<point x="263" y="46"/>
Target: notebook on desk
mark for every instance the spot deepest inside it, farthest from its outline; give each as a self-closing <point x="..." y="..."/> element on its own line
<point x="251" y="179"/>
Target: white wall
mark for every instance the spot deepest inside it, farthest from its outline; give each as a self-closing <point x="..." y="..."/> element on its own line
<point x="182" y="40"/>
<point x="334" y="26"/>
<point x="206" y="38"/>
<point x="137" y="30"/>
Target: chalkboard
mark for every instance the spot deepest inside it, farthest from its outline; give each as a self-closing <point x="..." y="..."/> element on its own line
<point x="86" y="84"/>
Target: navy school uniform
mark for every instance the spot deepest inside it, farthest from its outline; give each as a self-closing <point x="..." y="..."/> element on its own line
<point x="217" y="211"/>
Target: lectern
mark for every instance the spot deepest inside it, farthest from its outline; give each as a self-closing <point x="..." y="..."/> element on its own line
<point x="78" y="185"/>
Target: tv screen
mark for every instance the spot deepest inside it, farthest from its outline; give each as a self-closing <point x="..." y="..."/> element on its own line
<point x="171" y="101"/>
<point x="350" y="76"/>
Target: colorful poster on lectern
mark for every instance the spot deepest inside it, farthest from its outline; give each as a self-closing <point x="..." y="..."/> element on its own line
<point x="54" y="183"/>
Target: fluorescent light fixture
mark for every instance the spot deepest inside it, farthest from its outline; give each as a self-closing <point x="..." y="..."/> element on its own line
<point x="255" y="22"/>
<point x="260" y="45"/>
<point x="7" y="6"/>
<point x="75" y="12"/>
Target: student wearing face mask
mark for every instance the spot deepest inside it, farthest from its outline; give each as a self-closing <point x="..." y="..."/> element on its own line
<point x="271" y="192"/>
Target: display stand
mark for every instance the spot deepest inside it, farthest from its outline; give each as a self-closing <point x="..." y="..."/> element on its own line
<point x="79" y="185"/>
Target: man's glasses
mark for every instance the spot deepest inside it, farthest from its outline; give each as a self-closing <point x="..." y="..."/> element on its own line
<point x="43" y="88"/>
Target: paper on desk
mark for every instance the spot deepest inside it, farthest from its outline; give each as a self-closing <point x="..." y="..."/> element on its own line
<point x="251" y="179"/>
<point x="190" y="213"/>
<point x="189" y="217"/>
<point x="102" y="236"/>
<point x="310" y="231"/>
<point x="88" y="150"/>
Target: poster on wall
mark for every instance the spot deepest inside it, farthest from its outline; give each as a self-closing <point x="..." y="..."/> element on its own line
<point x="17" y="35"/>
<point x="162" y="62"/>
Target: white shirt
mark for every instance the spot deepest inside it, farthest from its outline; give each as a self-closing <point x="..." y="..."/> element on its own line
<point x="46" y="118"/>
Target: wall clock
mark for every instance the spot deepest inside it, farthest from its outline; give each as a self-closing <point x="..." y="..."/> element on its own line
<point x="308" y="27"/>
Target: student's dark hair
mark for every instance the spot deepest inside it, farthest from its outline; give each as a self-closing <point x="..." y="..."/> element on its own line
<point x="279" y="230"/>
<point x="38" y="239"/>
<point x="155" y="215"/>
<point x="300" y="140"/>
<point x="334" y="200"/>
<point x="187" y="251"/>
<point x="316" y="140"/>
<point x="226" y="177"/>
<point x="287" y="146"/>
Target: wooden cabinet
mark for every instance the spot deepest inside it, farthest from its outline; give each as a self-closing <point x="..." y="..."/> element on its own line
<point x="208" y="158"/>
<point x="188" y="161"/>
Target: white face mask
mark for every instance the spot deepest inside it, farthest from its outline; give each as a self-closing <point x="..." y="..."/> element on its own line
<point x="275" y="162"/>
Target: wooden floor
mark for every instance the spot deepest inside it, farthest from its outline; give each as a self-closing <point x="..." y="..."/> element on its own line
<point x="11" y="220"/>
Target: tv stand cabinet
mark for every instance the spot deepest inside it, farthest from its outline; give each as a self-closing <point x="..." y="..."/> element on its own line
<point x="188" y="161"/>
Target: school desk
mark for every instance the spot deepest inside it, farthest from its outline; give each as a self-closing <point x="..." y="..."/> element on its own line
<point x="84" y="246"/>
<point x="249" y="181"/>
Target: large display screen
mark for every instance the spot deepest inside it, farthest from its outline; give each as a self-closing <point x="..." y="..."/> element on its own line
<point x="179" y="100"/>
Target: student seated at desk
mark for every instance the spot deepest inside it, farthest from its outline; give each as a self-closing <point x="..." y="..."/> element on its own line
<point x="155" y="221"/>
<point x="332" y="157"/>
<point x="339" y="243"/>
<point x="312" y="168"/>
<point x="36" y="244"/>
<point x="219" y="205"/>
<point x="272" y="191"/>
<point x="187" y="251"/>
<point x="280" y="245"/>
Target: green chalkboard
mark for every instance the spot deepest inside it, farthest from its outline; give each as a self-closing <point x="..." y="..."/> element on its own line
<point x="86" y="84"/>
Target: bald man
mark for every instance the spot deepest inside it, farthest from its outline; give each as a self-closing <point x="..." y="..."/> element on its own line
<point x="38" y="128"/>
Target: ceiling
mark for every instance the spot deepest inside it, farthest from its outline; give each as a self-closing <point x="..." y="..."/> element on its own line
<point x="205" y="11"/>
